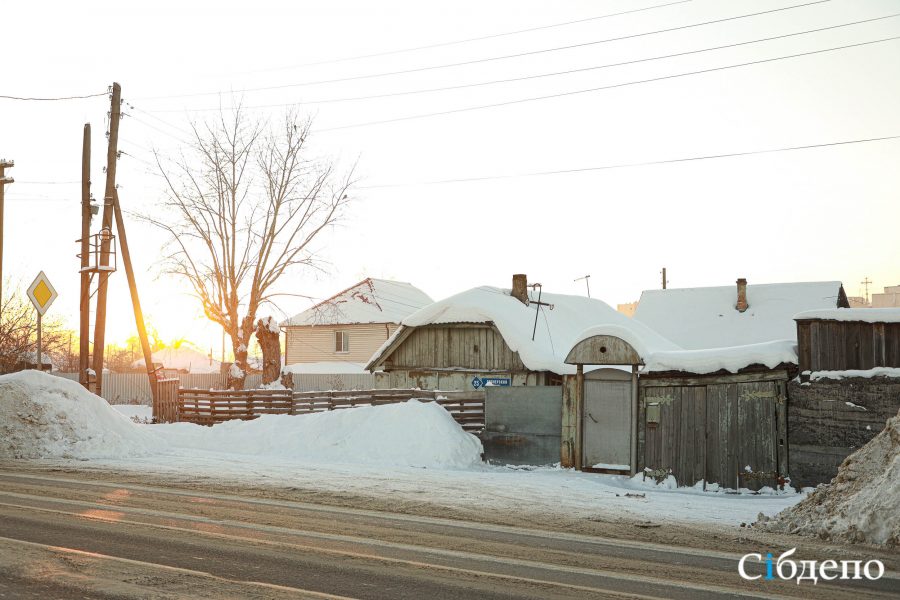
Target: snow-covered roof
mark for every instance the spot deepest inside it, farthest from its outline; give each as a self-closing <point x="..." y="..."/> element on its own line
<point x="557" y="329"/>
<point x="184" y="358"/>
<point x="369" y="301"/>
<point x="865" y="315"/>
<point x="698" y="318"/>
<point x="732" y="359"/>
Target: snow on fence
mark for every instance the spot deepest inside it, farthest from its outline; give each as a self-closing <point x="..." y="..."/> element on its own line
<point x="134" y="388"/>
<point x="207" y="407"/>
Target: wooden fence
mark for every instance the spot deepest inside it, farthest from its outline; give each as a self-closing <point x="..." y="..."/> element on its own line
<point x="207" y="407"/>
<point x="166" y="409"/>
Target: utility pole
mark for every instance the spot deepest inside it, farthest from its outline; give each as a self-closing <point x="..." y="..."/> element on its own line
<point x="135" y="300"/>
<point x="84" y="307"/>
<point x="664" y="280"/>
<point x="105" y="240"/>
<point x="864" y="282"/>
<point x="587" y="282"/>
<point x="4" y="181"/>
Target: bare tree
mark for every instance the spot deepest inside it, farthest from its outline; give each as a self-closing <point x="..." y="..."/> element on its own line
<point x="18" y="332"/>
<point x="244" y="207"/>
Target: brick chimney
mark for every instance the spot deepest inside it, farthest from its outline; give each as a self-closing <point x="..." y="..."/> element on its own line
<point x="741" y="305"/>
<point x="520" y="288"/>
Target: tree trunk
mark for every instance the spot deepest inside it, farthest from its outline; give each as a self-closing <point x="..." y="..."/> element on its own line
<point x="269" y="337"/>
<point x="239" y="341"/>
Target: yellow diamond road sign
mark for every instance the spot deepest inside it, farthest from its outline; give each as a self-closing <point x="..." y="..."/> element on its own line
<point x="41" y="293"/>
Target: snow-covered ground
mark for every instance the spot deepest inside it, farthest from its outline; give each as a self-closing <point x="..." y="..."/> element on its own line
<point x="409" y="453"/>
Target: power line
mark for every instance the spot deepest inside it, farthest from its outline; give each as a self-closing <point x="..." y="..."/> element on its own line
<point x="466" y="40"/>
<point x="53" y="99"/>
<point x="529" y="77"/>
<point x="597" y="89"/>
<point x="634" y="164"/>
<point x="492" y="58"/>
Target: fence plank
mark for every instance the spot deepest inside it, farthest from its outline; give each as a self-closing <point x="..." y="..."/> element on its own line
<point x="206" y="407"/>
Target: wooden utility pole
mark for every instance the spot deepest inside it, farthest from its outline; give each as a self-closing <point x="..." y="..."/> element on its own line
<point x="84" y="307"/>
<point x="135" y="300"/>
<point x="4" y="180"/>
<point x="664" y="281"/>
<point x="105" y="240"/>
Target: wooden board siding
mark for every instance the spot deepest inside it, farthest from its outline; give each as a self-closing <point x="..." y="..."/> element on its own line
<point x="315" y="343"/>
<point x="712" y="430"/>
<point x="474" y="347"/>
<point x="842" y="345"/>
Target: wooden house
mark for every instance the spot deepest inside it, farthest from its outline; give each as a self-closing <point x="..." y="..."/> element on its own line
<point x="341" y="333"/>
<point x="490" y="336"/>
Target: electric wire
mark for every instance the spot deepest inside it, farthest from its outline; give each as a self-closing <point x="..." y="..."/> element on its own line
<point x="605" y="87"/>
<point x="635" y="164"/>
<point x="522" y="78"/>
<point x="487" y="59"/>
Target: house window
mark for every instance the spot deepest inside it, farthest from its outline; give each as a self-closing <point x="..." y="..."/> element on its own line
<point x="341" y="341"/>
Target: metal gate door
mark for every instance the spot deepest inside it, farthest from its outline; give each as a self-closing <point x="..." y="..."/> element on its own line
<point x="607" y="425"/>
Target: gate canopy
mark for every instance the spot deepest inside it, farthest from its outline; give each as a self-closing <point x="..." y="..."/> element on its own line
<point x="603" y="350"/>
<point x="617" y="345"/>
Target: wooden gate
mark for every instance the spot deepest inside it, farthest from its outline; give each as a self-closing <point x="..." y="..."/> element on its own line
<point x="607" y="427"/>
<point x="729" y="430"/>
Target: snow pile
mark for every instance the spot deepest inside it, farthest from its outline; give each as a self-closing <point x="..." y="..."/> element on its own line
<point x="861" y="504"/>
<point x="856" y="373"/>
<point x="413" y="433"/>
<point x="42" y="416"/>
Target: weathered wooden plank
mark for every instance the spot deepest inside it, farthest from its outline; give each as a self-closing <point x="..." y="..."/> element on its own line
<point x="649" y="381"/>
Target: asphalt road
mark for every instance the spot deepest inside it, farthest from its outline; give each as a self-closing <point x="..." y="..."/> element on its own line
<point x="62" y="537"/>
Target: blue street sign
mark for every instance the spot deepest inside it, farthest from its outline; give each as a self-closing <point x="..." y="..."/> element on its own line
<point x="478" y="383"/>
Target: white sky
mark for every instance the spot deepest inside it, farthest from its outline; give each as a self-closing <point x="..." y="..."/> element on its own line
<point x="829" y="213"/>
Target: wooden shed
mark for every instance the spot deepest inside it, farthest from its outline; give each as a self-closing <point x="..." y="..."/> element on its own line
<point x="848" y="339"/>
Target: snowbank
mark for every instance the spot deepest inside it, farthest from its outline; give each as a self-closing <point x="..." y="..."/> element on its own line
<point x="861" y="504"/>
<point x="416" y="434"/>
<point x="856" y="373"/>
<point x="42" y="416"/>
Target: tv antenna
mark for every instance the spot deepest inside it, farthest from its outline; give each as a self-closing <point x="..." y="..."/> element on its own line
<point x="587" y="282"/>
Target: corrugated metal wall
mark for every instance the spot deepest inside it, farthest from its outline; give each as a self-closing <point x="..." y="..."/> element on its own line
<point x="134" y="388"/>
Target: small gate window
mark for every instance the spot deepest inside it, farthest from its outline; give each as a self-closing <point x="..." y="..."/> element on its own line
<point x="341" y="342"/>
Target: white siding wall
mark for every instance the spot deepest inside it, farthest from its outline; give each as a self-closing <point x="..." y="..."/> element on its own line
<point x="315" y="343"/>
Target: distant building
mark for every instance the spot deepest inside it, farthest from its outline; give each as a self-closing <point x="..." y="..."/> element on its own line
<point x="341" y="333"/>
<point x="889" y="299"/>
<point x="858" y="302"/>
<point x="627" y="309"/>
